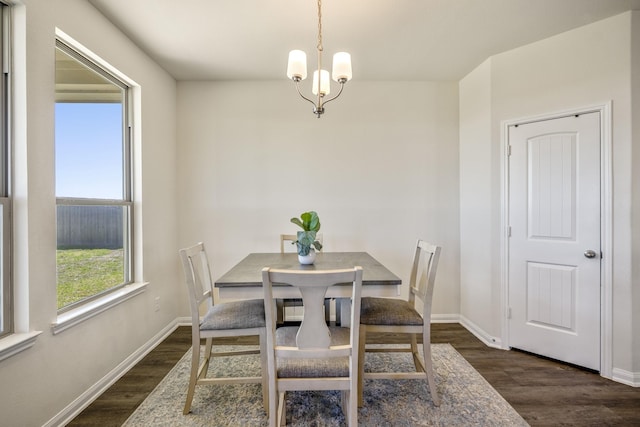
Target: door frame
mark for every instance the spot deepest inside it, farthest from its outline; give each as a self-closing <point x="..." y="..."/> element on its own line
<point x="606" y="226"/>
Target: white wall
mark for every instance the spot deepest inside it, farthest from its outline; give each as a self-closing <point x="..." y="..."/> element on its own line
<point x="38" y="383"/>
<point x="635" y="186"/>
<point x="587" y="66"/>
<point x="477" y="209"/>
<point x="380" y="168"/>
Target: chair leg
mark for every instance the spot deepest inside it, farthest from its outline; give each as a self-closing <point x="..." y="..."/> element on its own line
<point x="193" y="378"/>
<point x="428" y="365"/>
<point x="208" y="346"/>
<point x="348" y="402"/>
<point x="274" y="409"/>
<point x="264" y="372"/>
<point x="415" y="354"/>
<point x="282" y="417"/>
<point x="352" y="408"/>
<point x="361" y="350"/>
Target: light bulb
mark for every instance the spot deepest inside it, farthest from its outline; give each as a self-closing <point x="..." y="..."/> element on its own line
<point x="324" y="83"/>
<point x="297" y="67"/>
<point x="342" y="66"/>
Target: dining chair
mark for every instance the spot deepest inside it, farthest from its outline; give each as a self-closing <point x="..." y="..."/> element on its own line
<point x="397" y="316"/>
<point x="282" y="304"/>
<point x="312" y="356"/>
<point x="231" y="319"/>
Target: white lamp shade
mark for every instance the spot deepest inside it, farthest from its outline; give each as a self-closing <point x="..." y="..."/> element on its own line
<point x="297" y="65"/>
<point x="342" y="66"/>
<point x="324" y="82"/>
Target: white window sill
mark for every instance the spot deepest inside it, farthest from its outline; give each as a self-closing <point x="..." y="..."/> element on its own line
<point x="86" y="311"/>
<point x="15" y="343"/>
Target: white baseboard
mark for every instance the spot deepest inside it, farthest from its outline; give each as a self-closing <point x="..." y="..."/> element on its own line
<point x="183" y="321"/>
<point x="445" y="318"/>
<point x="626" y="377"/>
<point x="487" y="339"/>
<point x="91" y="394"/>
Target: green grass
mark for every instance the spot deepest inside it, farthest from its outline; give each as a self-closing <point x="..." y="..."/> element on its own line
<point x="86" y="272"/>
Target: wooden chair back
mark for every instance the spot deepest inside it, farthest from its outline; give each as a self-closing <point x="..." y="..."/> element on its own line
<point x="197" y="275"/>
<point x="423" y="276"/>
<point x="314" y="339"/>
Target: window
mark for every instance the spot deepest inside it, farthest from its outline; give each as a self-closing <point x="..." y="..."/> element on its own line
<point x="6" y="294"/>
<point x="93" y="180"/>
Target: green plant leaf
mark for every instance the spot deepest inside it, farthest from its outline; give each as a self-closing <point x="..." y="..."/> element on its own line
<point x="297" y="222"/>
<point x="314" y="221"/>
<point x="306" y="239"/>
<point x="306" y="220"/>
<point x="303" y="250"/>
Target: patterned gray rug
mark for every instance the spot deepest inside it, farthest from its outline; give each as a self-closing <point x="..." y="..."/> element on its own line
<point x="467" y="398"/>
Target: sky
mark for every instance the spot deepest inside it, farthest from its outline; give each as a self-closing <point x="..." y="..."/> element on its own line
<point x="89" y="150"/>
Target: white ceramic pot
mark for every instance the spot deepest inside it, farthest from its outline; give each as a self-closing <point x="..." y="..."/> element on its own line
<point x="307" y="259"/>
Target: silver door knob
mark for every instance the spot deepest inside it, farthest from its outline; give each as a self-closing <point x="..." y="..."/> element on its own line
<point x="590" y="254"/>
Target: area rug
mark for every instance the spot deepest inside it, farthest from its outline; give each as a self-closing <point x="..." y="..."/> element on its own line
<point x="467" y="398"/>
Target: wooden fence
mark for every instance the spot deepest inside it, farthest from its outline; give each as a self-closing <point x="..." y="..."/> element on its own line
<point x="90" y="227"/>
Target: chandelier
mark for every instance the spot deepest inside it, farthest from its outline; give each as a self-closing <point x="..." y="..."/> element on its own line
<point x="297" y="71"/>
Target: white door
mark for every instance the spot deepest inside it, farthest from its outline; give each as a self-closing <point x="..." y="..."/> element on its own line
<point x="554" y="244"/>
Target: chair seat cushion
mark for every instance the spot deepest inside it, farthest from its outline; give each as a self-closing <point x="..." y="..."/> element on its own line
<point x="388" y="311"/>
<point x="234" y="315"/>
<point x="312" y="368"/>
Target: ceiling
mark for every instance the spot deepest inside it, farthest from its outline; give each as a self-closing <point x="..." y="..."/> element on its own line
<point x="388" y="39"/>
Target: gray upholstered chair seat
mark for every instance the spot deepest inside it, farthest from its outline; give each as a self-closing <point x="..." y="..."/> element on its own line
<point x="234" y="315"/>
<point x="388" y="311"/>
<point x="312" y="368"/>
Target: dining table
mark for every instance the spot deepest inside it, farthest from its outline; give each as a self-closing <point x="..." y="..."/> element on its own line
<point x="244" y="280"/>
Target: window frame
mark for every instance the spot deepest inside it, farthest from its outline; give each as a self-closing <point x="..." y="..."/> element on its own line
<point x="126" y="202"/>
<point x="7" y="326"/>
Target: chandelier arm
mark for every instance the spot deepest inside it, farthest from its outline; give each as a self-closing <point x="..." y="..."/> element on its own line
<point x="304" y="97"/>
<point x="337" y="95"/>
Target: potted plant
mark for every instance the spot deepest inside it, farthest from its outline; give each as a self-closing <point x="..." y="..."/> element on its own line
<point x="306" y="239"/>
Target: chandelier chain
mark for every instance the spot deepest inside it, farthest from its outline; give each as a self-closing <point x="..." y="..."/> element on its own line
<point x="320" y="48"/>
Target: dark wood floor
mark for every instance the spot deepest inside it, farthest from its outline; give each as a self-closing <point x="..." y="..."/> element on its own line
<point x="544" y="392"/>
